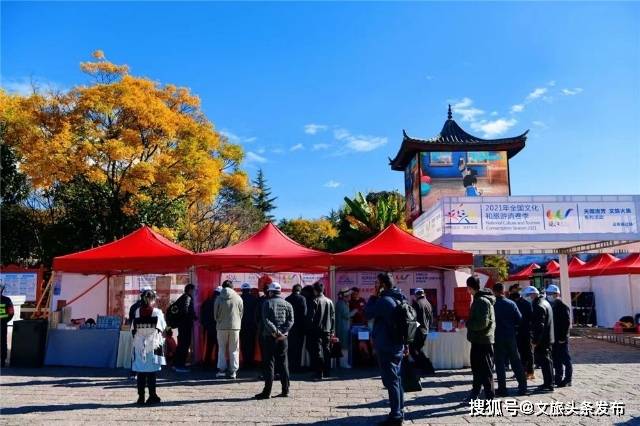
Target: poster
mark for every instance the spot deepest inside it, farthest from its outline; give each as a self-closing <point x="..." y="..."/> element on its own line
<point x="412" y="188"/>
<point x="20" y="283"/>
<point x="286" y="279"/>
<point x="405" y="280"/>
<point x="461" y="174"/>
<point x="430" y="226"/>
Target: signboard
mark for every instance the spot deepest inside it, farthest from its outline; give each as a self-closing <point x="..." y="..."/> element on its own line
<point x="461" y="174"/>
<point x="412" y="188"/>
<point x="286" y="279"/>
<point x="429" y="227"/>
<point x="20" y="283"/>
<point x="514" y="217"/>
<point x="405" y="280"/>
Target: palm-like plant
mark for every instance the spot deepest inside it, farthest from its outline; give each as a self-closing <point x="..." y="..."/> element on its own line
<point x="373" y="213"/>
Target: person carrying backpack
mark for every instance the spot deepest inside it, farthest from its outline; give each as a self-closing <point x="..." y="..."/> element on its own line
<point x="388" y="342"/>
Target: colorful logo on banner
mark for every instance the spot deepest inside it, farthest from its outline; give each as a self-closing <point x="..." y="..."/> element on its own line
<point x="558" y="218"/>
<point x="463" y="216"/>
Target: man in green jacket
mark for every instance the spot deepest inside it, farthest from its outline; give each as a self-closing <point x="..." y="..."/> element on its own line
<point x="480" y="332"/>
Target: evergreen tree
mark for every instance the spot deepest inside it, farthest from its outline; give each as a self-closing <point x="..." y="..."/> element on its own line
<point x="262" y="197"/>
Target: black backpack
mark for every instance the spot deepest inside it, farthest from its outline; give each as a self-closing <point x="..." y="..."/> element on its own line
<point x="405" y="322"/>
<point x="175" y="314"/>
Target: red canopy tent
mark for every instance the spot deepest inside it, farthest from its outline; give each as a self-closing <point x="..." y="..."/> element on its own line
<point x="143" y="251"/>
<point x="595" y="266"/>
<point x="574" y="264"/>
<point x="524" y="273"/>
<point x="394" y="249"/>
<point x="553" y="267"/>
<point x="269" y="250"/>
<point x="628" y="265"/>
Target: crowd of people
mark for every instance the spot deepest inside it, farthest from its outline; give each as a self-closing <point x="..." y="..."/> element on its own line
<point x="520" y="329"/>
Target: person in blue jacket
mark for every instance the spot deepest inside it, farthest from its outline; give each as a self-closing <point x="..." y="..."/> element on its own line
<point x="387" y="344"/>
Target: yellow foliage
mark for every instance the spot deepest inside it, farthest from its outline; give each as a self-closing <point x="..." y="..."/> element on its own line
<point x="143" y="140"/>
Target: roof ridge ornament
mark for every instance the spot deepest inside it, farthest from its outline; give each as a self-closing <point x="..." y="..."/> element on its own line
<point x="449" y="115"/>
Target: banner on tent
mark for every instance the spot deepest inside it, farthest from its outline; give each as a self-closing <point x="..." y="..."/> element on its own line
<point x="405" y="280"/>
<point x="286" y="279"/>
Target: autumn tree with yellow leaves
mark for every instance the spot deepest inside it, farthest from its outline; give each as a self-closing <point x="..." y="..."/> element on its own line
<point x="138" y="151"/>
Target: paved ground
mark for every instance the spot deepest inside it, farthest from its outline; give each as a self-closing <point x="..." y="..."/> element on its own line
<point x="603" y="372"/>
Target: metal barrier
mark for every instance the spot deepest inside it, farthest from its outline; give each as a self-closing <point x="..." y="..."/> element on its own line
<point x="607" y="335"/>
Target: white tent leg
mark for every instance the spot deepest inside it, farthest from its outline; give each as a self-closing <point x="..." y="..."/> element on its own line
<point x="565" y="284"/>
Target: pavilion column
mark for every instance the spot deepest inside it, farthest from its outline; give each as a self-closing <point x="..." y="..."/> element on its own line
<point x="565" y="284"/>
<point x="332" y="282"/>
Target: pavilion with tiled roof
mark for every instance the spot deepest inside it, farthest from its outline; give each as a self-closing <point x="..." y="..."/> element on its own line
<point x="453" y="138"/>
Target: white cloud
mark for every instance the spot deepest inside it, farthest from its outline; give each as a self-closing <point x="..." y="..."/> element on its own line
<point x="493" y="128"/>
<point x="332" y="184"/>
<point x="466" y="110"/>
<point x="428" y="77"/>
<point x="297" y="147"/>
<point x="517" y="108"/>
<point x="25" y="86"/>
<point x="278" y="151"/>
<point x="537" y="92"/>
<point x="236" y="139"/>
<point x="312" y="129"/>
<point x="359" y="143"/>
<point x="551" y="83"/>
<point x="572" y="92"/>
<point x="540" y="124"/>
<point x="252" y="157"/>
<point x="319" y="146"/>
<point x="261" y="150"/>
<point x="494" y="113"/>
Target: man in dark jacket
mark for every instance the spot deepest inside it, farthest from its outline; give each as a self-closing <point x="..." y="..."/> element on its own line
<point x="296" y="335"/>
<point x="424" y="314"/>
<point x="248" y="327"/>
<point x="185" y="327"/>
<point x="561" y="325"/>
<point x="277" y="315"/>
<point x="208" y="322"/>
<point x="541" y="335"/>
<point x="380" y="308"/>
<point x="523" y="334"/>
<point x="321" y="320"/>
<point x="507" y="319"/>
<point x="6" y="315"/>
<point x="480" y="332"/>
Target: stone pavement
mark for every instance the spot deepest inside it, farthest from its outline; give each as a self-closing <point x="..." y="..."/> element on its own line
<point x="603" y="371"/>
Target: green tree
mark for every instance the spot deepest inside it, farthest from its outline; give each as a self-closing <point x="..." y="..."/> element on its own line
<point x="364" y="216"/>
<point x="312" y="233"/>
<point x="261" y="197"/>
<point x="501" y="263"/>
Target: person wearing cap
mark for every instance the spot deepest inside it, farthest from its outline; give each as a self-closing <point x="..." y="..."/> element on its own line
<point x="228" y="310"/>
<point x="148" y="358"/>
<point x="138" y="303"/>
<point x="208" y="322"/>
<point x="507" y="319"/>
<point x="321" y="322"/>
<point x="6" y="315"/>
<point x="424" y="316"/>
<point x="560" y="349"/>
<point x="278" y="318"/>
<point x="343" y="325"/>
<point x="296" y="335"/>
<point x="542" y="336"/>
<point x="248" y="326"/>
<point x="523" y="332"/>
<point x="480" y="332"/>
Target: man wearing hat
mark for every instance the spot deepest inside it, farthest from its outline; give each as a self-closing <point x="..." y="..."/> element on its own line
<point x="228" y="312"/>
<point x="561" y="325"/>
<point x="523" y="333"/>
<point x="248" y="326"/>
<point x="277" y="315"/>
<point x="541" y="335"/>
<point x="6" y="315"/>
<point x="296" y="335"/>
<point x="424" y="316"/>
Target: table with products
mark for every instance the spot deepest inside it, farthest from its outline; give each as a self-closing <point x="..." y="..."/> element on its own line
<point x="448" y="350"/>
<point x="82" y="347"/>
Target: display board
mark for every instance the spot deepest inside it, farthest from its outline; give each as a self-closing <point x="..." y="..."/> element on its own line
<point x="20" y="283"/>
<point x="514" y="217"/>
<point x="405" y="280"/>
<point x="286" y="279"/>
<point x="167" y="287"/>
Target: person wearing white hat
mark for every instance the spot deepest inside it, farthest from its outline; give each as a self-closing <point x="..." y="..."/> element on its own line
<point x="248" y="326"/>
<point x="277" y="315"/>
<point x="560" y="349"/>
<point x="541" y="335"/>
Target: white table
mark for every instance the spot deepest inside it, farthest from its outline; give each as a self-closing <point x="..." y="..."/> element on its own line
<point x="124" y="350"/>
<point x="448" y="350"/>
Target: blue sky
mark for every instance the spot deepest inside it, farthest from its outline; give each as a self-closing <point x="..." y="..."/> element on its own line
<point x="318" y="93"/>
